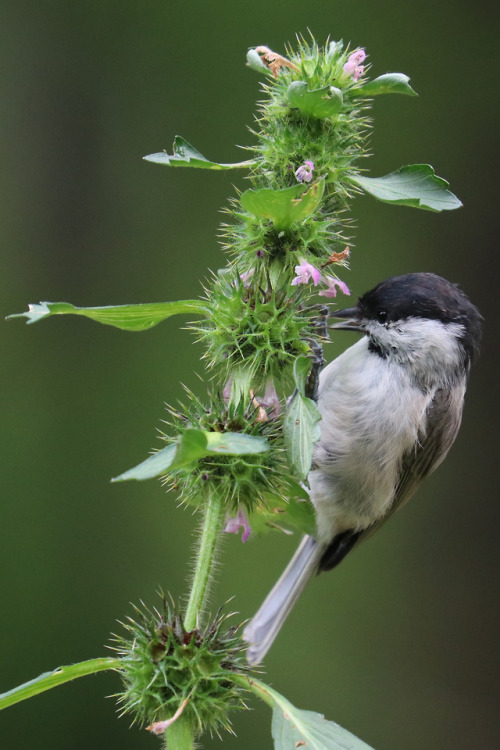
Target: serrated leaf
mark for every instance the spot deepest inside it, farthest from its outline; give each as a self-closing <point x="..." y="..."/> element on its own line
<point x="320" y="103"/>
<point x="189" y="448"/>
<point x="389" y="83"/>
<point x="58" y="676"/>
<point x="284" y="207"/>
<point x="415" y="185"/>
<point x="185" y="155"/>
<point x="126" y="317"/>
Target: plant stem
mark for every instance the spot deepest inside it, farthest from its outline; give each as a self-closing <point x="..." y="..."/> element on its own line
<point x="260" y="689"/>
<point x="57" y="677"/>
<point x="179" y="735"/>
<point x="210" y="534"/>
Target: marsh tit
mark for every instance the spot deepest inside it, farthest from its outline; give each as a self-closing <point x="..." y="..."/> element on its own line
<point x="391" y="407"/>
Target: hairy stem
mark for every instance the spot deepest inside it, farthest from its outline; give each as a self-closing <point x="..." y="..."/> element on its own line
<point x="260" y="689"/>
<point x="179" y="735"/>
<point x="212" y="524"/>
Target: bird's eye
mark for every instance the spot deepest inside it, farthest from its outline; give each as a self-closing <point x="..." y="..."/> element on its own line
<point x="382" y="316"/>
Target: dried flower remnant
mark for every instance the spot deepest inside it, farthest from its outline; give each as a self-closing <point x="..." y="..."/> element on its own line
<point x="273" y="60"/>
<point x="159" y="727"/>
<point x="337" y="257"/>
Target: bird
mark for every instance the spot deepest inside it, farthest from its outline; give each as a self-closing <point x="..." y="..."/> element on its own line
<point x="391" y="407"/>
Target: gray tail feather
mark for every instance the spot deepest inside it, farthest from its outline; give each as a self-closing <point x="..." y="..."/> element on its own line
<point x="266" y="624"/>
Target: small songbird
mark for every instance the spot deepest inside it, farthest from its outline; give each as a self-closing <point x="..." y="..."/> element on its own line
<point x="391" y="407"/>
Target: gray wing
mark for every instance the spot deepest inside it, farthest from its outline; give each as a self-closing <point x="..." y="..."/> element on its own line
<point x="440" y="427"/>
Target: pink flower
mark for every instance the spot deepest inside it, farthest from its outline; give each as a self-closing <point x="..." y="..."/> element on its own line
<point x="233" y="525"/>
<point x="358" y="56"/>
<point x="305" y="273"/>
<point x="332" y="287"/>
<point x="353" y="67"/>
<point x="305" y="172"/>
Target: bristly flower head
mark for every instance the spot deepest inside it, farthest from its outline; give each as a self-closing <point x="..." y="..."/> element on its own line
<point x="245" y="483"/>
<point x="255" y="330"/>
<point x="165" y="668"/>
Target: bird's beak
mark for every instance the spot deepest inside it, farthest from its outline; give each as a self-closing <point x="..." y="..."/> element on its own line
<point x="350" y="320"/>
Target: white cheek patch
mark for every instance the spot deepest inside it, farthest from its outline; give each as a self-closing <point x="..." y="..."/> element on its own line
<point x="430" y="348"/>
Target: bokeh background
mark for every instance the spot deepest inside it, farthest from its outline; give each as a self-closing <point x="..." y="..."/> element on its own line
<point x="400" y="644"/>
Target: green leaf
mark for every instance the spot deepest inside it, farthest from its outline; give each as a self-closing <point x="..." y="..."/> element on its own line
<point x="58" y="676"/>
<point x="294" y="728"/>
<point x="389" y="83"/>
<point x="186" y="155"/>
<point x="126" y="317"/>
<point x="320" y="103"/>
<point x="415" y="185"/>
<point x="190" y="447"/>
<point x="294" y="512"/>
<point x="235" y="443"/>
<point x="301" y="368"/>
<point x="301" y="424"/>
<point x="284" y="207"/>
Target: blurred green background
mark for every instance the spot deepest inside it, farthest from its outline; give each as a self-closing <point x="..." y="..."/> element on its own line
<point x="400" y="644"/>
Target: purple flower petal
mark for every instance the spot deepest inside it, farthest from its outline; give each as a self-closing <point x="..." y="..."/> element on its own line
<point x="305" y="172"/>
<point x="357" y="57"/>
<point x="332" y="287"/>
<point x="353" y="67"/>
<point x="305" y="272"/>
<point x="233" y="525"/>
